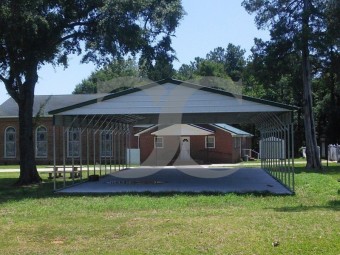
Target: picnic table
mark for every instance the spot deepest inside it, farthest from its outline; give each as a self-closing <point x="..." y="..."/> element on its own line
<point x="58" y="171"/>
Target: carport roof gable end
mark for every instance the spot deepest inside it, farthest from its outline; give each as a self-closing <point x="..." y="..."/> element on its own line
<point x="132" y="108"/>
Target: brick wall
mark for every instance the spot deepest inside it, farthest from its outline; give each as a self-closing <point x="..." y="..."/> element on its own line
<point x="224" y="151"/>
<point x="60" y="140"/>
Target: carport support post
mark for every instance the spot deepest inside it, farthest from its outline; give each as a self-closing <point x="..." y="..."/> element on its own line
<point x="286" y="153"/>
<point x="72" y="159"/>
<point x="114" y="149"/>
<point x="64" y="156"/>
<point x="265" y="148"/>
<point x="94" y="151"/>
<point x="111" y="145"/>
<point x="269" y="155"/>
<point x="119" y="142"/>
<point x="289" y="169"/>
<point x="125" y="149"/>
<point x="129" y="146"/>
<point x="81" y="154"/>
<point x="273" y="152"/>
<point x="264" y="155"/>
<point x="54" y="157"/>
<point x="87" y="152"/>
<point x="293" y="170"/>
<point x="126" y="145"/>
<point x="282" y="157"/>
<point x="100" y="151"/>
<point x="277" y="150"/>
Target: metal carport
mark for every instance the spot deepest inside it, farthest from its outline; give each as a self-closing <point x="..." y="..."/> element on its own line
<point x="174" y="102"/>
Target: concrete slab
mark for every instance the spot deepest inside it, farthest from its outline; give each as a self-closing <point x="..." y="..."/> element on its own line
<point x="191" y="179"/>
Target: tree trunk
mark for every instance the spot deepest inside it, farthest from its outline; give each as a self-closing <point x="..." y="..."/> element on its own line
<point x="28" y="169"/>
<point x="312" y="153"/>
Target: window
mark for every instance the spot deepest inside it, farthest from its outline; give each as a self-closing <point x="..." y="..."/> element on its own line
<point x="106" y="143"/>
<point x="10" y="142"/>
<point x="159" y="142"/>
<point x="210" y="142"/>
<point x="73" y="145"/>
<point x="41" y="142"/>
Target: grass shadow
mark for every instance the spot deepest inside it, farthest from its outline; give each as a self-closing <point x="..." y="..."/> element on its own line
<point x="173" y="194"/>
<point x="9" y="192"/>
<point x="333" y="205"/>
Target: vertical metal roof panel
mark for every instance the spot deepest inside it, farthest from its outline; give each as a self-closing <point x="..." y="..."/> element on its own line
<point x="172" y="98"/>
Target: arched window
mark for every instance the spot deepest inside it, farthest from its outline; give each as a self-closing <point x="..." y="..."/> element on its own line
<point x="41" y="142"/>
<point x="10" y="142"/>
<point x="106" y="143"/>
<point x="73" y="145"/>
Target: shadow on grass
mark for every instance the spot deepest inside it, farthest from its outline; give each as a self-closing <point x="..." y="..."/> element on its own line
<point x="9" y="192"/>
<point x="333" y="205"/>
<point x="331" y="171"/>
<point x="327" y="170"/>
<point x="173" y="194"/>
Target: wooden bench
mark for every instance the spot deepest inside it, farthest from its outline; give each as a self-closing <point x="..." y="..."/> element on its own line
<point x="58" y="171"/>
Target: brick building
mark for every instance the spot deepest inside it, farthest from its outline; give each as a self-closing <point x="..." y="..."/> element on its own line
<point x="182" y="143"/>
<point x="43" y="129"/>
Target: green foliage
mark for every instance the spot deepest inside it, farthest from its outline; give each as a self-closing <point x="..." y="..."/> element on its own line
<point x="102" y="81"/>
<point x="107" y="28"/>
<point x="208" y="73"/>
<point x="38" y="32"/>
<point x="123" y="74"/>
<point x="221" y="69"/>
<point x="232" y="59"/>
<point x="162" y="68"/>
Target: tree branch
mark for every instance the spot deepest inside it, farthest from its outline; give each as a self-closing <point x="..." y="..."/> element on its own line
<point x="3" y="79"/>
<point x="79" y="23"/>
<point x="11" y="91"/>
<point x="73" y="35"/>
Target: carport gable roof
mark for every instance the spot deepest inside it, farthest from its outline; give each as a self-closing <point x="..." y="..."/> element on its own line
<point x="235" y="132"/>
<point x="171" y="96"/>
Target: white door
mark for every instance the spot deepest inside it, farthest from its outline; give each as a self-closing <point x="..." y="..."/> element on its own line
<point x="185" y="148"/>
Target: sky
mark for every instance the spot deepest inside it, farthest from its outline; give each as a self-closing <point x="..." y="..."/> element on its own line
<point x="207" y="25"/>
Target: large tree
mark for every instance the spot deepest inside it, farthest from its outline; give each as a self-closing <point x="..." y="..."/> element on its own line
<point x="297" y="25"/>
<point x="272" y="73"/>
<point x="232" y="58"/>
<point x="328" y="79"/>
<point x="105" y="80"/>
<point x="38" y="32"/>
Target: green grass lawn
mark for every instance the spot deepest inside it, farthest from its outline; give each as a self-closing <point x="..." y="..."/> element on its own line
<point x="33" y="220"/>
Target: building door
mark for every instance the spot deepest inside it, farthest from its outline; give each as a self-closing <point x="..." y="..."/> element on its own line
<point x="185" y="148"/>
